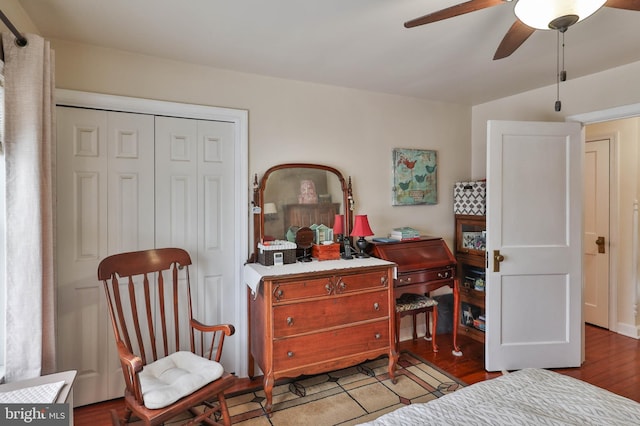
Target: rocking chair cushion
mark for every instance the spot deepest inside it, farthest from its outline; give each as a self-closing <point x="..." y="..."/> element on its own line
<point x="175" y="376"/>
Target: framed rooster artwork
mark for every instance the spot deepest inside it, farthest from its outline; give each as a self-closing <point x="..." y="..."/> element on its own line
<point x="414" y="177"/>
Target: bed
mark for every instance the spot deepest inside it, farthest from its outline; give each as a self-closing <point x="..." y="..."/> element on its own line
<point x="525" y="397"/>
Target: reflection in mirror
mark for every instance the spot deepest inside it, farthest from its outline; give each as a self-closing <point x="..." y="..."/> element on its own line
<point x="302" y="197"/>
<point x="292" y="196"/>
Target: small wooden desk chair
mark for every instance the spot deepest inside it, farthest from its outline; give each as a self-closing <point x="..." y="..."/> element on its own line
<point x="413" y="304"/>
<point x="170" y="361"/>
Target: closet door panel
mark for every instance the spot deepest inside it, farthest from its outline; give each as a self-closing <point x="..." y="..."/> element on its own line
<point x="131" y="187"/>
<point x="216" y="171"/>
<point x="195" y="167"/>
<point x="176" y="180"/>
<point x="81" y="230"/>
<point x="104" y="205"/>
<point x="130" y="207"/>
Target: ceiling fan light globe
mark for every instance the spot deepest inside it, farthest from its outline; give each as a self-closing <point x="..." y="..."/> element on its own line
<point x="540" y="14"/>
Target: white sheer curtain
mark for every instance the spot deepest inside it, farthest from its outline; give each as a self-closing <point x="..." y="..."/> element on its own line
<point x="29" y="150"/>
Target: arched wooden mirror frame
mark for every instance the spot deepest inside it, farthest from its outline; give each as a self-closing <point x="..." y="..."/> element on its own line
<point x="259" y="188"/>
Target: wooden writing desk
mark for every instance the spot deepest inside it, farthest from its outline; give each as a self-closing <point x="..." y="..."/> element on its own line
<point x="424" y="265"/>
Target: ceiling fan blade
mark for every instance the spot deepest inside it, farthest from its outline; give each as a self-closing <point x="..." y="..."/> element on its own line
<point x="624" y="4"/>
<point x="514" y="38"/>
<point x="450" y="12"/>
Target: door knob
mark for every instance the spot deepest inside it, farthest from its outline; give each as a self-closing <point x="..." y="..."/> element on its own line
<point x="497" y="258"/>
<point x="600" y="243"/>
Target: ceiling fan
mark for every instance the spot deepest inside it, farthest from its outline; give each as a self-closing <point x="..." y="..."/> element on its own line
<point x="531" y="15"/>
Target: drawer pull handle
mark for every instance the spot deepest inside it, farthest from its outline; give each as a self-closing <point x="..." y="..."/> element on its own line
<point x="383" y="280"/>
<point x="290" y="354"/>
<point x="378" y="336"/>
<point x="278" y="294"/>
<point x="342" y="285"/>
<point x="376" y="306"/>
<point x="289" y="321"/>
<point x="328" y="288"/>
<point x="443" y="274"/>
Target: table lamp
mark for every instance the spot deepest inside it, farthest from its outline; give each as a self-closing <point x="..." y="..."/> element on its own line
<point x="270" y="211"/>
<point x="338" y="228"/>
<point x="361" y="229"/>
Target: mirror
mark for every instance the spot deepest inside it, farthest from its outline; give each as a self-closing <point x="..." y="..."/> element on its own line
<point x="297" y="195"/>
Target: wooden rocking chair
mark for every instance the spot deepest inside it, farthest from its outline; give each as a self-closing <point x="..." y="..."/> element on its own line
<point x="170" y="361"/>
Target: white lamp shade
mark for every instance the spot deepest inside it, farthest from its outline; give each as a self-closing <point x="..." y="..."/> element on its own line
<point x="539" y="13"/>
<point x="270" y="208"/>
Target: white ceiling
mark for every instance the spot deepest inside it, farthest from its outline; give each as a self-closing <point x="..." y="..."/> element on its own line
<point x="353" y="43"/>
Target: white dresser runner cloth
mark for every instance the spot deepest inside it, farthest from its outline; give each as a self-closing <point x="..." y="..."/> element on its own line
<point x="254" y="272"/>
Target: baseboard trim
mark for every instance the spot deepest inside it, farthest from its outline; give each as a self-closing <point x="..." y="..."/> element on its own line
<point x="628" y="330"/>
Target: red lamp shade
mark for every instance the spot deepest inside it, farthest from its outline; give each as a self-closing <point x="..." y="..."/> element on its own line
<point x="361" y="227"/>
<point x="338" y="224"/>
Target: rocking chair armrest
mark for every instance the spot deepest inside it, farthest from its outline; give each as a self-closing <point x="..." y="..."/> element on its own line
<point x="131" y="366"/>
<point x="133" y="362"/>
<point x="227" y="329"/>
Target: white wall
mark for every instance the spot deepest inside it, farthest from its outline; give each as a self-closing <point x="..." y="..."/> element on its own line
<point x="18" y="17"/>
<point x="291" y="121"/>
<point x="608" y="89"/>
<point x="603" y="91"/>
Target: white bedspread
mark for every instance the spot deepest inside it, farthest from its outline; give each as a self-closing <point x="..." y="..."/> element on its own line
<point x="525" y="397"/>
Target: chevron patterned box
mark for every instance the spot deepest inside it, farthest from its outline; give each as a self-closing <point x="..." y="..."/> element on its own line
<point x="470" y="197"/>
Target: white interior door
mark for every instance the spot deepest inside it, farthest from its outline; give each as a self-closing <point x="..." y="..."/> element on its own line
<point x="104" y="196"/>
<point x="534" y="225"/>
<point x="596" y="233"/>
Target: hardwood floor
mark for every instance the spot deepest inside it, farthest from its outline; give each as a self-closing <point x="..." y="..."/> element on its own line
<point x="612" y="362"/>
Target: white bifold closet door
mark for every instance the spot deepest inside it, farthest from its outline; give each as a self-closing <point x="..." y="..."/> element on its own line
<point x="194" y="193"/>
<point x="125" y="182"/>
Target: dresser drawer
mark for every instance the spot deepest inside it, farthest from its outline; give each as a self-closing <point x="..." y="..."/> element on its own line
<point x="295" y="352"/>
<point x="429" y="275"/>
<point x="334" y="284"/>
<point x="335" y="311"/>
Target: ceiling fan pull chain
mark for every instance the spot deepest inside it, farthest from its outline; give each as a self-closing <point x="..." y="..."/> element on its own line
<point x="558" y="104"/>
<point x="563" y="73"/>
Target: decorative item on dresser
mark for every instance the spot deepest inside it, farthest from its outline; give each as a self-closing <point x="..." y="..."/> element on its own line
<point x="338" y="231"/>
<point x="314" y="317"/>
<point x="345" y="246"/>
<point x="424" y="265"/>
<point x="361" y="229"/>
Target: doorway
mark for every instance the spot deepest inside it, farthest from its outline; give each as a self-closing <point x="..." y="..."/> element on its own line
<point x="596" y="239"/>
<point x="622" y="127"/>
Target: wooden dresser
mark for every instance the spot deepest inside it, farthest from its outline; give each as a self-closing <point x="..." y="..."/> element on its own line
<point x="424" y="265"/>
<point x="319" y="316"/>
